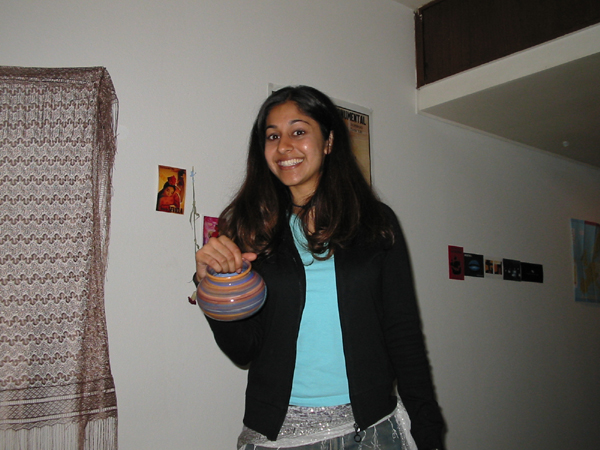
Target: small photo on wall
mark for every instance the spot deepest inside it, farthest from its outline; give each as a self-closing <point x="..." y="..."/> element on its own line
<point x="171" y="190"/>
<point x="211" y="228"/>
<point x="493" y="267"/>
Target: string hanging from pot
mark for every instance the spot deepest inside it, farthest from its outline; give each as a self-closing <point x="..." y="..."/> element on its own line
<point x="193" y="218"/>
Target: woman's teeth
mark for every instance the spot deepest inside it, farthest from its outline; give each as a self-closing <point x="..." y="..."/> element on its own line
<point x="290" y="162"/>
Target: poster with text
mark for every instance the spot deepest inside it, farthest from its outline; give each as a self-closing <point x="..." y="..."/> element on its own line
<point x="358" y="127"/>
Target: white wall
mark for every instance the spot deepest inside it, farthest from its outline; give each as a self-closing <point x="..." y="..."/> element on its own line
<point x="516" y="364"/>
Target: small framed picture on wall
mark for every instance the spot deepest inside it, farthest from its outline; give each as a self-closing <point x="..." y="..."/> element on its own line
<point x="171" y="190"/>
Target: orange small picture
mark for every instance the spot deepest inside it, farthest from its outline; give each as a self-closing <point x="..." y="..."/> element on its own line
<point x="171" y="190"/>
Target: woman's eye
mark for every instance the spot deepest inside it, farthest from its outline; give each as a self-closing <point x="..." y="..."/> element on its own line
<point x="272" y="137"/>
<point x="299" y="132"/>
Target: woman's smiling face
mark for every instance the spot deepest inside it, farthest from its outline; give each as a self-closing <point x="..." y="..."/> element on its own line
<point x="295" y="149"/>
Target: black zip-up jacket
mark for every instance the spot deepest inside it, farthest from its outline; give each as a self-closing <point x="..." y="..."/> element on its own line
<point x="381" y="330"/>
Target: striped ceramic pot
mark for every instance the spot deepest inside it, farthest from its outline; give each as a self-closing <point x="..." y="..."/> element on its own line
<point x="231" y="296"/>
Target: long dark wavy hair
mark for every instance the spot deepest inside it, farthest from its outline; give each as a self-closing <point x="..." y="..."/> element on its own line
<point x="344" y="206"/>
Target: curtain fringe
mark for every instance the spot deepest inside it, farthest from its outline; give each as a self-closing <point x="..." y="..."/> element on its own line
<point x="100" y="434"/>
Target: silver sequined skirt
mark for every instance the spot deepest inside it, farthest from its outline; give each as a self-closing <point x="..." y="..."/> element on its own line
<point x="308" y="425"/>
<point x="300" y="421"/>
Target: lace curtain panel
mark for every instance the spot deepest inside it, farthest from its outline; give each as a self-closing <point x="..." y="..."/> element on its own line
<point x="57" y="144"/>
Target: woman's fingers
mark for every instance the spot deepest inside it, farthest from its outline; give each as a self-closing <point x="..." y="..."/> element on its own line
<point x="249" y="256"/>
<point x="222" y="254"/>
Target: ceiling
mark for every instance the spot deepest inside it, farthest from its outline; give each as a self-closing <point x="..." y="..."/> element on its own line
<point x="414" y="4"/>
<point x="547" y="97"/>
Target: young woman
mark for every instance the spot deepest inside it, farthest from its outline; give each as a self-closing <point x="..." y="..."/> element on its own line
<point x="340" y="328"/>
<point x="168" y="197"/>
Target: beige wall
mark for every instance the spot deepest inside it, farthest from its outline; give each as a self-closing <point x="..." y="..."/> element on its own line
<point x="516" y="364"/>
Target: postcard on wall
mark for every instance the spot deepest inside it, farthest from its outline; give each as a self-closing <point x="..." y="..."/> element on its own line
<point x="586" y="260"/>
<point x="493" y="267"/>
<point x="533" y="273"/>
<point x="456" y="263"/>
<point x="512" y="269"/>
<point x="473" y="265"/>
<point x="358" y="121"/>
<point x="171" y="190"/>
<point x="211" y="228"/>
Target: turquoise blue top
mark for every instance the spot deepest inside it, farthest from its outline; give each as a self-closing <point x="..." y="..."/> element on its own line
<point x="320" y="376"/>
